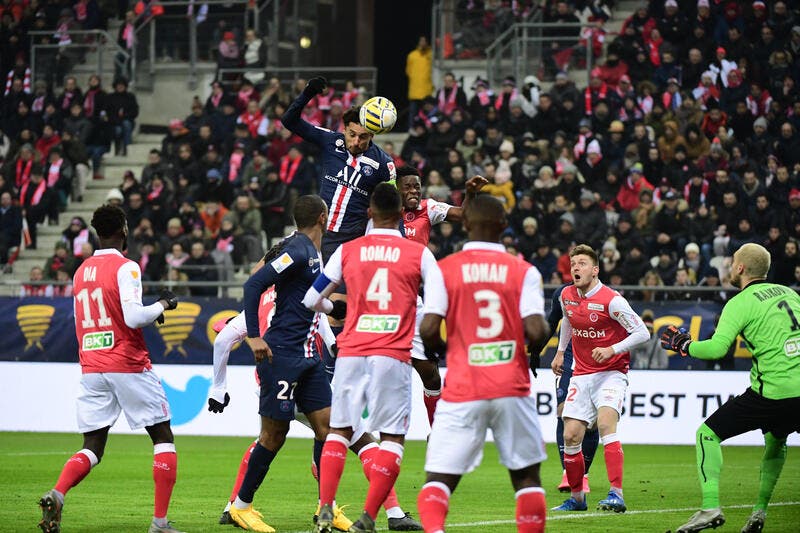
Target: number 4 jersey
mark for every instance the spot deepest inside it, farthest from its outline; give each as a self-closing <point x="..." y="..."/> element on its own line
<point x="105" y="343"/>
<point x="383" y="272"/>
<point x="485" y="296"/>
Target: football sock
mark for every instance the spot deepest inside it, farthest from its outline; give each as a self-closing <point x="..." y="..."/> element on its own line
<point x="430" y="398"/>
<point x="771" y="466"/>
<point x="385" y="469"/>
<point x="531" y="510"/>
<point x="334" y="455"/>
<point x="560" y="439"/>
<point x="165" y="471"/>
<point x="573" y="463"/>
<point x="257" y="469"/>
<point x="612" y="450"/>
<point x="318" y="444"/>
<point x="242" y="471"/>
<point x="709" y="465"/>
<point x="75" y="469"/>
<point x="391" y="504"/>
<point x="433" y="503"/>
<point x="589" y="446"/>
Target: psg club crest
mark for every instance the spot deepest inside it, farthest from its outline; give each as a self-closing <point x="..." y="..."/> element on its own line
<point x="367" y="170"/>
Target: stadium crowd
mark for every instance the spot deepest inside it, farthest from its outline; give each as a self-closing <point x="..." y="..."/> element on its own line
<point x="683" y="147"/>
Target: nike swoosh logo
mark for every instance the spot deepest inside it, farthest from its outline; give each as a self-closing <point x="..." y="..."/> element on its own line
<point x="314" y="270"/>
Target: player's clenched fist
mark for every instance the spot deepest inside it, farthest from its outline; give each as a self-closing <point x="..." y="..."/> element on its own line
<point x="169" y="298"/>
<point x="558" y="363"/>
<point x="315" y="86"/>
<point x="603" y="354"/>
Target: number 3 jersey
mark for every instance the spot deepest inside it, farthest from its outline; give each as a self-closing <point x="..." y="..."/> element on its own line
<point x="101" y="285"/>
<point x="485" y="295"/>
<point x="382" y="271"/>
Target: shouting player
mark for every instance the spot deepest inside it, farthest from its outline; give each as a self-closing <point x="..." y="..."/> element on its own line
<point x="592" y="437"/>
<point x="383" y="272"/>
<point x="766" y="316"/>
<point x="117" y="374"/>
<point x="491" y="302"/>
<point x="289" y="367"/>
<point x="351" y="164"/>
<point x="603" y="328"/>
<point x="419" y="216"/>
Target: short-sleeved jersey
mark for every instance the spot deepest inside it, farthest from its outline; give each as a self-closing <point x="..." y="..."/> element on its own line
<point x="600" y="318"/>
<point x="767" y="316"/>
<point x="292" y="273"/>
<point x="418" y="222"/>
<point x="105" y="342"/>
<point x="383" y="272"/>
<point x="346" y="182"/>
<point x="486" y="294"/>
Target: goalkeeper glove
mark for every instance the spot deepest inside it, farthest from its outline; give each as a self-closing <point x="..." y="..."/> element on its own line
<point x="315" y="86"/>
<point x="677" y="339"/>
<point x="339" y="310"/>
<point x="169" y="297"/>
<point x="215" y="407"/>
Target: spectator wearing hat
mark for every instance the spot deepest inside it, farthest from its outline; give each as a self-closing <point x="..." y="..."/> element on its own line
<point x="529" y="238"/>
<point x="669" y="141"/>
<point x="759" y="143"/>
<point x="122" y="108"/>
<point x="635" y="265"/>
<point x="196" y="118"/>
<point x="593" y="167"/>
<point x="500" y="185"/>
<point x="114" y="198"/>
<point x="563" y="88"/>
<point x="628" y="197"/>
<point x="177" y="135"/>
<point x="227" y="54"/>
<point x="590" y="220"/>
<point x="672" y="24"/>
<point x="129" y="185"/>
<point x="755" y="19"/>
<point x="564" y="236"/>
<point x="693" y="260"/>
<point x="508" y="93"/>
<point x="720" y="65"/>
<point x="482" y="100"/>
<point x="59" y="174"/>
<point x="215" y="189"/>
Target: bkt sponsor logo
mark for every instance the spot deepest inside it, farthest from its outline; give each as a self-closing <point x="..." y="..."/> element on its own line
<point x="590" y="333"/>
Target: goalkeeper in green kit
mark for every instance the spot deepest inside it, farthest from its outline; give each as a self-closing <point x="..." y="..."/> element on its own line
<point x="767" y="316"/>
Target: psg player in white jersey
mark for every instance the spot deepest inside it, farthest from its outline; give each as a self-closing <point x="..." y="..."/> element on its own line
<point x="117" y="374"/>
<point x="603" y="328"/>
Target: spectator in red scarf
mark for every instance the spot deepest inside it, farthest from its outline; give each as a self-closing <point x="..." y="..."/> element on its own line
<point x="450" y="96"/>
<point x="296" y="172"/>
<point x="18" y="172"/>
<point x="48" y="140"/>
<point x="37" y="202"/>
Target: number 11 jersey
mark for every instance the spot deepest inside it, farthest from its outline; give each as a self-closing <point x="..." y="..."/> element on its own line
<point x="105" y="342"/>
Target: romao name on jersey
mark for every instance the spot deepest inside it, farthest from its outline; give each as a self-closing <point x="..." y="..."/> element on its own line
<point x="378" y="323"/>
<point x="99" y="340"/>
<point x="589" y="333"/>
<point x="492" y="353"/>
<point x="484" y="273"/>
<point x="388" y="254"/>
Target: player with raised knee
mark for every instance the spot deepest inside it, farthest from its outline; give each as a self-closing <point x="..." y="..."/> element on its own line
<point x="117" y="373"/>
<point x="493" y="303"/>
<point x="603" y="328"/>
<point x="383" y="272"/>
<point x="592" y="437"/>
<point x="767" y="316"/>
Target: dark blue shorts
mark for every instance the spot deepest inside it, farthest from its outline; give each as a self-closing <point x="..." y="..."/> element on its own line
<point x="292" y="378"/>
<point x="562" y="384"/>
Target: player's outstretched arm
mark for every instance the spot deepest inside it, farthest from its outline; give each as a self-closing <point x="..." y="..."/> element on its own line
<point x="472" y="188"/>
<point x="316" y="297"/>
<point x="731" y="322"/>
<point x="292" y="118"/>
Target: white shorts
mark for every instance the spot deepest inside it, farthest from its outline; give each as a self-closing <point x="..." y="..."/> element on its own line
<point x="102" y="397"/>
<point x="378" y="383"/>
<point x="417" y="349"/>
<point x="589" y="392"/>
<point x="455" y="445"/>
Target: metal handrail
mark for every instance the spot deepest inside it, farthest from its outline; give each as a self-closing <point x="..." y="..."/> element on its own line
<point x="370" y="74"/>
<point x="109" y="40"/>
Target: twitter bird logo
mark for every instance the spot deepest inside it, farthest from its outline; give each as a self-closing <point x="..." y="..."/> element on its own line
<point x="186" y="404"/>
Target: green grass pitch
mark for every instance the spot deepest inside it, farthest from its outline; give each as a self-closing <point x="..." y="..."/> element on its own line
<point x="661" y="489"/>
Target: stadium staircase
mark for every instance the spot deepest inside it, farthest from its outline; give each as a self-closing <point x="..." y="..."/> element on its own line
<point x="113" y="169"/>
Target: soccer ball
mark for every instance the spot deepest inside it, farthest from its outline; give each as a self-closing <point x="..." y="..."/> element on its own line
<point x="378" y="114"/>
